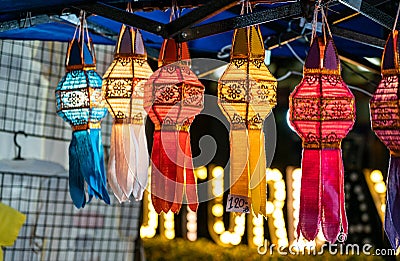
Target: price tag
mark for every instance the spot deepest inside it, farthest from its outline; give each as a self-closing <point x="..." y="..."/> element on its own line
<point x="237" y="203"/>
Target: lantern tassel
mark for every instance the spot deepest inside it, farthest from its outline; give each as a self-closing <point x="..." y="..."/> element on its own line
<point x="191" y="186"/>
<point x="122" y="156"/>
<point x="257" y="163"/>
<point x="157" y="178"/>
<point x="310" y="194"/>
<point x="76" y="180"/>
<point x="142" y="160"/>
<point x="164" y="170"/>
<point x="82" y="157"/>
<point x="392" y="214"/>
<point x="239" y="162"/>
<point x="112" y="174"/>
<point x="332" y="166"/>
<point x="101" y="180"/>
<point x="180" y="173"/>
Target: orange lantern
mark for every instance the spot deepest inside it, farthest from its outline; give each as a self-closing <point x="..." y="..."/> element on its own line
<point x="173" y="97"/>
<point x="246" y="95"/>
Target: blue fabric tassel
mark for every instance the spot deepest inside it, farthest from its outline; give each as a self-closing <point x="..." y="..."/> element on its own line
<point x="79" y="149"/>
<point x="392" y="213"/>
<point x="85" y="166"/>
<point x="95" y="136"/>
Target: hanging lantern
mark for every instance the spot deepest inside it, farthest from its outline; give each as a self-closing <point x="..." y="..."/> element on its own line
<point x="173" y="97"/>
<point x="385" y="118"/>
<point x="246" y="95"/>
<point x="79" y="103"/>
<point x="123" y="89"/>
<point x="322" y="112"/>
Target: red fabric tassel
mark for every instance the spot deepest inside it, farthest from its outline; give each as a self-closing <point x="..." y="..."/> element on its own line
<point x="310" y="194"/>
<point x="157" y="179"/>
<point x="168" y="167"/>
<point x="180" y="178"/>
<point x="191" y="187"/>
<point x="331" y="182"/>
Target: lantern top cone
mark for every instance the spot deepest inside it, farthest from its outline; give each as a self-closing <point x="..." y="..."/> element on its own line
<point x="390" y="57"/>
<point x="172" y="52"/>
<point x="130" y="43"/>
<point x="80" y="56"/>
<point x="322" y="57"/>
<point x="248" y="44"/>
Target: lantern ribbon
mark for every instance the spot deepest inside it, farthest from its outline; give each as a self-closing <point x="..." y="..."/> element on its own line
<point x="141" y="159"/>
<point x="392" y="213"/>
<point x="164" y="169"/>
<point x="257" y="164"/>
<point x="239" y="162"/>
<point x="322" y="194"/>
<point x="185" y="179"/>
<point x="120" y="175"/>
<point x="82" y="161"/>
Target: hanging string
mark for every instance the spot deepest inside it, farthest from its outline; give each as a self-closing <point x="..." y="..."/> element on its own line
<point x="315" y="21"/>
<point x="397" y="18"/>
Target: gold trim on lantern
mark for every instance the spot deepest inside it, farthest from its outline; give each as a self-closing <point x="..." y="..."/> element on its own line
<point x="80" y="67"/>
<point x="390" y="72"/>
<point x="323" y="145"/>
<point x="80" y="127"/>
<point x="321" y="71"/>
<point x="395" y="154"/>
<point x="183" y="128"/>
<point x="95" y="125"/>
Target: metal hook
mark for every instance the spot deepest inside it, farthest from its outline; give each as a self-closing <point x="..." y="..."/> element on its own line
<point x="18" y="157"/>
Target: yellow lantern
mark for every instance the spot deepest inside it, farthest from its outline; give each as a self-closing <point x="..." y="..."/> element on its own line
<point x="246" y="95"/>
<point x="123" y="89"/>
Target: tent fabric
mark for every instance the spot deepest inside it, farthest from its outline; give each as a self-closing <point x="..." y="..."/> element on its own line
<point x="57" y="31"/>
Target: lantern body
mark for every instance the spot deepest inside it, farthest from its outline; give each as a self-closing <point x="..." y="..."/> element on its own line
<point x="385" y="119"/>
<point x="246" y="95"/>
<point x="322" y="111"/>
<point x="79" y="102"/>
<point x="123" y="90"/>
<point x="173" y="97"/>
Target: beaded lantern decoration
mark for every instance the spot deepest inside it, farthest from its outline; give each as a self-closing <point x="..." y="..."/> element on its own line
<point x="173" y="97"/>
<point x="123" y="89"/>
<point x="322" y="111"/>
<point x="79" y="103"/>
<point x="246" y="95"/>
<point x="385" y="119"/>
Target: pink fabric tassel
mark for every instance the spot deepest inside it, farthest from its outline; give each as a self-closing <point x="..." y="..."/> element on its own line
<point x="331" y="198"/>
<point x="310" y="195"/>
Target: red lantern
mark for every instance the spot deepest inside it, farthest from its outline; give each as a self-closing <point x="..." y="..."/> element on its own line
<point x="173" y="97"/>
<point x="385" y="119"/>
<point x="322" y="111"/>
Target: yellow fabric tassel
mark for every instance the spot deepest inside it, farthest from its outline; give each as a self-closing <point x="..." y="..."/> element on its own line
<point x="239" y="163"/>
<point x="257" y="164"/>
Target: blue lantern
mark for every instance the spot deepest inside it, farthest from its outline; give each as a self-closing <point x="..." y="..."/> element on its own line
<point x="79" y="102"/>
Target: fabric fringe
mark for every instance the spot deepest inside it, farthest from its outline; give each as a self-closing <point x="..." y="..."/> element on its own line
<point x="310" y="194"/>
<point x="239" y="163"/>
<point x="392" y="213"/>
<point x="85" y="165"/>
<point x="332" y="166"/>
<point x="142" y="160"/>
<point x="257" y="164"/>
<point x="100" y="173"/>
